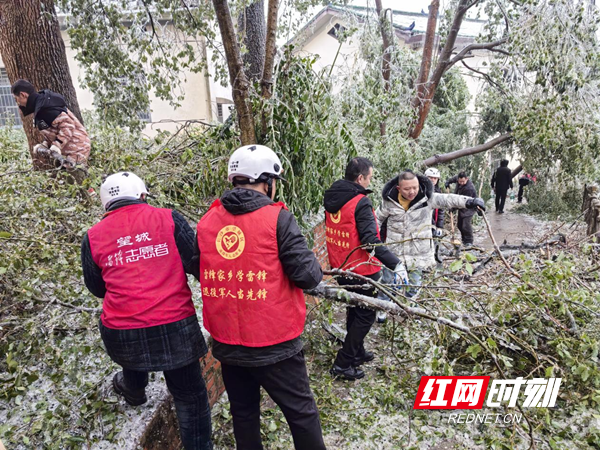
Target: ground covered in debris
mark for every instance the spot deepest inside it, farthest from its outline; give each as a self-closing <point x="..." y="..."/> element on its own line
<point x="535" y="314"/>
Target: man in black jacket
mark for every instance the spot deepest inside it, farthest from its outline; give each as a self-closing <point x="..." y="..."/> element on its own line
<point x="136" y="258"/>
<point x="349" y="213"/>
<point x="254" y="263"/>
<point x="501" y="183"/>
<point x="464" y="186"/>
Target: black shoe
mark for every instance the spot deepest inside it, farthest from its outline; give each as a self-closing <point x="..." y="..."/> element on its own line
<point x="501" y="212"/>
<point x="351" y="373"/>
<point x="133" y="398"/>
<point x="365" y="357"/>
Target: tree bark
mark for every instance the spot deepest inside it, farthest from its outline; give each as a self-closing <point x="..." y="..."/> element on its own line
<point x="386" y="59"/>
<point x="440" y="159"/>
<point x="517" y="171"/>
<point x="591" y="209"/>
<point x="270" y="49"/>
<point x="424" y="103"/>
<point x="252" y="30"/>
<point x="427" y="52"/>
<point x="239" y="82"/>
<point x="32" y="49"/>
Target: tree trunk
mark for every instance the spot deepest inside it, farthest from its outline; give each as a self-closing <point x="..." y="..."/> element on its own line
<point x="239" y="82"/>
<point x="591" y="209"/>
<point x="386" y="59"/>
<point x="270" y="49"/>
<point x="447" y="157"/>
<point x="427" y="52"/>
<point x="252" y="30"/>
<point x="424" y="103"/>
<point x="32" y="48"/>
<point x="517" y="171"/>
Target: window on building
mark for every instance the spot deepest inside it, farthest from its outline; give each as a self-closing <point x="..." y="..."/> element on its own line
<point x="336" y="30"/>
<point x="9" y="110"/>
<point x="220" y="112"/>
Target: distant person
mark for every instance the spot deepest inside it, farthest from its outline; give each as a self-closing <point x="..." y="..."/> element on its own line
<point x="136" y="258"/>
<point x="501" y="183"/>
<point x="465" y="187"/>
<point x="405" y="216"/>
<point x="437" y="217"/>
<point x="63" y="132"/>
<point x="523" y="182"/>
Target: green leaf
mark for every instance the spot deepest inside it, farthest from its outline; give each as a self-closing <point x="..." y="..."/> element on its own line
<point x="470" y="257"/>
<point x="5" y="234"/>
<point x="456" y="265"/>
<point x="469" y="268"/>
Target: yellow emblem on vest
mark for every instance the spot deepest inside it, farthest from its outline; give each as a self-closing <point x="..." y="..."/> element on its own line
<point x="336" y="217"/>
<point x="230" y="242"/>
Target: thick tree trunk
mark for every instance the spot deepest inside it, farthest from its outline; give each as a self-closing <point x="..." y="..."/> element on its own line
<point x="252" y="30"/>
<point x="239" y="82"/>
<point x="388" y="41"/>
<point x="444" y="63"/>
<point x="427" y="53"/>
<point x="32" y="49"/>
<point x="447" y="157"/>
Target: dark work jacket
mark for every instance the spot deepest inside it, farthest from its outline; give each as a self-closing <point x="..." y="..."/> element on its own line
<point x="468" y="189"/>
<point x="437" y="219"/>
<point x="340" y="193"/>
<point x="502" y="179"/>
<point x="299" y="264"/>
<point x="158" y="348"/>
<point x="46" y="107"/>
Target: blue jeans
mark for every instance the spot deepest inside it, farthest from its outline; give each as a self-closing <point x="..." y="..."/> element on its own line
<point x="191" y="402"/>
<point x="414" y="278"/>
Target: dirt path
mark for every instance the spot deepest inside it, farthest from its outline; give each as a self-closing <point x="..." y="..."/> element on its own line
<point x="510" y="228"/>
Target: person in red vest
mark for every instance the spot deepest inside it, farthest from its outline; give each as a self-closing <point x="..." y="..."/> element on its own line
<point x="137" y="258"/>
<point x="254" y="263"/>
<point x="350" y="223"/>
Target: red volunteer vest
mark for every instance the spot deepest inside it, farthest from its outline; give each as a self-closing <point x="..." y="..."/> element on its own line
<point x="141" y="266"/>
<point x="342" y="237"/>
<point x="247" y="299"/>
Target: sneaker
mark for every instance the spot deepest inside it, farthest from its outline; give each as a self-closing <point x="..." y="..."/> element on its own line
<point x="132" y="398"/>
<point x="350" y="373"/>
<point x="365" y="357"/>
<point x="381" y="316"/>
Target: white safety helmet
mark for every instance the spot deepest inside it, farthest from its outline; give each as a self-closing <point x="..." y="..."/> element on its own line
<point x="432" y="172"/>
<point x="251" y="161"/>
<point x="121" y="185"/>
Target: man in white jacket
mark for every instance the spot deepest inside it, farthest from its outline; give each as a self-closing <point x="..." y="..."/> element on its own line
<point x="405" y="217"/>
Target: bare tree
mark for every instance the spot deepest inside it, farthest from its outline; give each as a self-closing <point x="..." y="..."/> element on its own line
<point x="32" y="48"/>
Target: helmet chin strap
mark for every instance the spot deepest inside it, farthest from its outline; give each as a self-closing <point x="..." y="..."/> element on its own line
<point x="270" y="192"/>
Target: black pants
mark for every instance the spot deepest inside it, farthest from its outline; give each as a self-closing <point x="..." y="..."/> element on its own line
<point x="520" y="194"/>
<point x="358" y="323"/>
<point x="286" y="382"/>
<point x="500" y="200"/>
<point x="187" y="387"/>
<point x="465" y="227"/>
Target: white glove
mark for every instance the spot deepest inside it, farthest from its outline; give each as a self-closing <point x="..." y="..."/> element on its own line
<point x="41" y="146"/>
<point x="55" y="149"/>
<point x="437" y="233"/>
<point x="400" y="274"/>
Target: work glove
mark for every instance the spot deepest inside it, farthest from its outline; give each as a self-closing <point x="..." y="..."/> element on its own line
<point x="400" y="274"/>
<point x="476" y="203"/>
<point x="437" y="233"/>
<point x="42" y="146"/>
<point x="447" y="185"/>
<point x="55" y="149"/>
